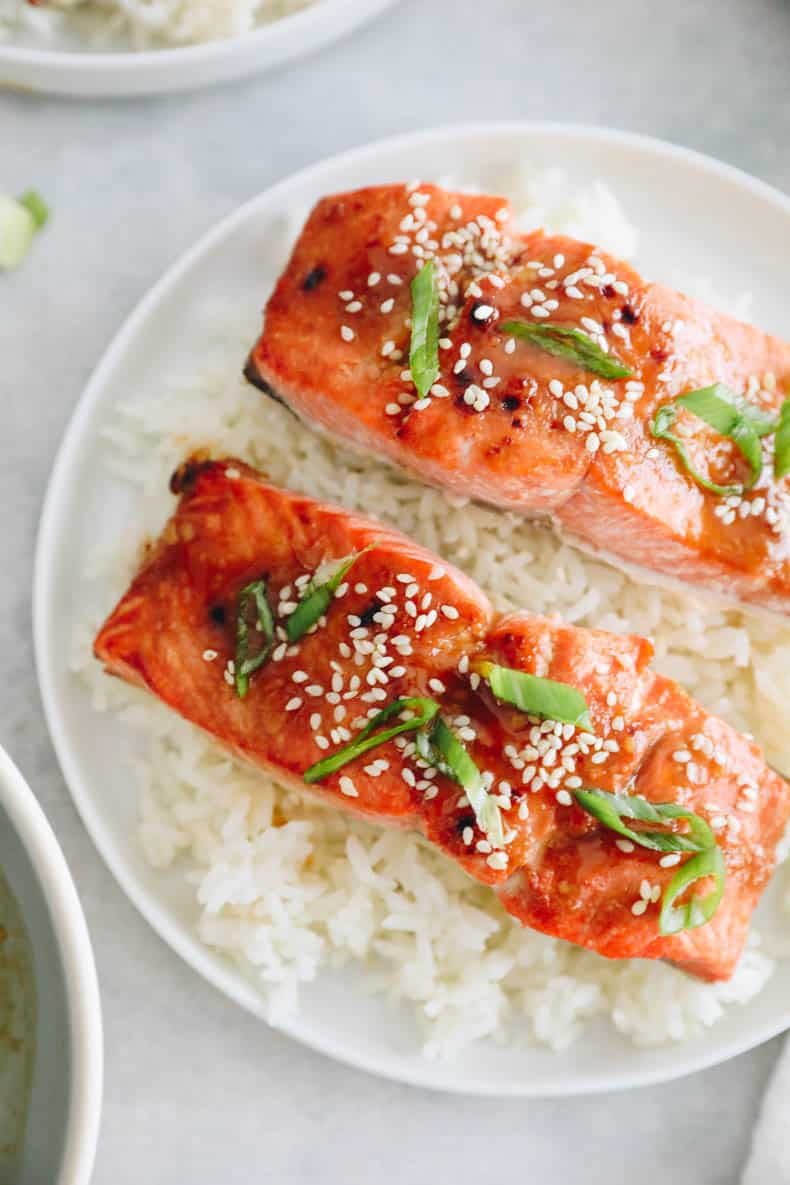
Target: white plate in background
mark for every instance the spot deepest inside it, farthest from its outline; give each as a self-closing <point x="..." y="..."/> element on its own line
<point x="68" y="65"/>
<point x="686" y="207"/>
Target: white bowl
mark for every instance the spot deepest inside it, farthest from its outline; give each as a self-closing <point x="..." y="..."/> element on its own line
<point x="59" y="1144"/>
<point x="68" y="67"/>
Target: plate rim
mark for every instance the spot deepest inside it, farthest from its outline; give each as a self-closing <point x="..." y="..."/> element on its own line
<point x="181" y="943"/>
<point x="75" y="951"/>
<point x="125" y="60"/>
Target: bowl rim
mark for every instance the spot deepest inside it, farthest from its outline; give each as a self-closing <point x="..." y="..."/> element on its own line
<point x="79" y="970"/>
<point x="276" y="35"/>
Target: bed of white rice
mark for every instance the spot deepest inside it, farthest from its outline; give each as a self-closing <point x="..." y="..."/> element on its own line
<point x="285" y="887"/>
<point x="145" y="24"/>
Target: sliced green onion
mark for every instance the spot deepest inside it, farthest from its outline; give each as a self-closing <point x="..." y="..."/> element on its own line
<point x="723" y="408"/>
<point x="424" y="349"/>
<point x="253" y="596"/>
<point x="570" y="344"/>
<point x="423" y="711"/>
<point x="35" y="204"/>
<point x="698" y="910"/>
<point x="612" y="809"/>
<point x="440" y="747"/>
<point x="318" y="597"/>
<point x="782" y="443"/>
<point x="731" y="416"/>
<point x="536" y="696"/>
<point x="17" y="231"/>
<point x="662" y="422"/>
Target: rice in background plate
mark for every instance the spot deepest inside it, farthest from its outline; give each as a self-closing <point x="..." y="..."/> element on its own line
<point x="146" y="24"/>
<point x="285" y="886"/>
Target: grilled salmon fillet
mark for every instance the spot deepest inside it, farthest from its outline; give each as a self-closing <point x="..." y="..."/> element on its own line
<point x="507" y="422"/>
<point x="405" y="624"/>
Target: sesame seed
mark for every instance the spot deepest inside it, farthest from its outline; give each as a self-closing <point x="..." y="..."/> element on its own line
<point x="348" y="788"/>
<point x="346" y="333"/>
<point x="293" y="704"/>
<point x="483" y="312"/>
<point x="670" y="860"/>
<point x="210" y="655"/>
<point x="639" y="907"/>
<point x="591" y="325"/>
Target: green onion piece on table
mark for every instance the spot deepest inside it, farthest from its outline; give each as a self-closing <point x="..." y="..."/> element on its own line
<point x="20" y="221"/>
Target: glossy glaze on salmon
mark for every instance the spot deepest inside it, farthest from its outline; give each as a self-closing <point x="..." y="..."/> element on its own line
<point x="406" y="624"/>
<point x="515" y="426"/>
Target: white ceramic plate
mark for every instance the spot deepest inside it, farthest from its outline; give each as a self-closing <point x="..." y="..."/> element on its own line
<point x="686" y="206"/>
<point x="66" y="65"/>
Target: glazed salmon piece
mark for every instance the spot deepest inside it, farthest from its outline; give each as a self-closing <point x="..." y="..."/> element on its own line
<point x="174" y="631"/>
<point x="507" y="422"/>
<point x="669" y="750"/>
<point x="406" y="624"/>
